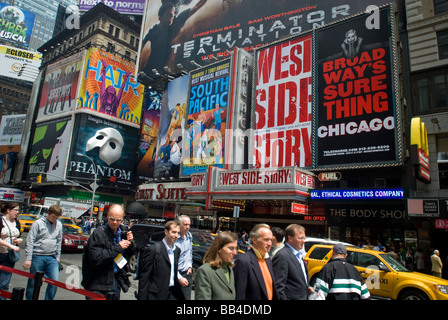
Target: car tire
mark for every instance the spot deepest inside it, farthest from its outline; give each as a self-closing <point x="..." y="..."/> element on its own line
<point x="132" y="263"/>
<point x="412" y="294"/>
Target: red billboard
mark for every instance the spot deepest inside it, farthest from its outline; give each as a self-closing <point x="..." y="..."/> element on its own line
<point x="282" y="117"/>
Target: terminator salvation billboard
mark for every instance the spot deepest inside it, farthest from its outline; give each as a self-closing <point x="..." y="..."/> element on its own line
<point x="357" y="109"/>
<point x="282" y="118"/>
<point x="203" y="29"/>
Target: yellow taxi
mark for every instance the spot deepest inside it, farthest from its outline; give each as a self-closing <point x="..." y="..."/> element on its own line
<point x="385" y="277"/>
<point x="69" y="221"/>
<point x="25" y="220"/>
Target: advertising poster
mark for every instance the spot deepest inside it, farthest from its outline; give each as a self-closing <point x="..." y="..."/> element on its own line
<point x="206" y="118"/>
<point x="282" y="121"/>
<point x="11" y="129"/>
<point x="110" y="145"/>
<point x="109" y="87"/>
<point x="6" y="167"/>
<point x="357" y="104"/>
<point x="122" y="6"/>
<point x="19" y="64"/>
<point x="172" y="122"/>
<point x="202" y="30"/>
<point x="148" y="142"/>
<point x="60" y="88"/>
<point x="49" y="149"/>
<point x="16" y="25"/>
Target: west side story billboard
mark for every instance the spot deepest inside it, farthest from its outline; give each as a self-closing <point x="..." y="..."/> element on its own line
<point x="205" y="29"/>
<point x="357" y="121"/>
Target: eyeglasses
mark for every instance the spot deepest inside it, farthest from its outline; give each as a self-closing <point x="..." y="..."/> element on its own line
<point x="115" y="220"/>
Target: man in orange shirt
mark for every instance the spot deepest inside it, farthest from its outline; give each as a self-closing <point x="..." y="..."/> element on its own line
<point x="254" y="275"/>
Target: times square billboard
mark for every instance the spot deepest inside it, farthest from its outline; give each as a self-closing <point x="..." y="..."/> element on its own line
<point x="203" y="30"/>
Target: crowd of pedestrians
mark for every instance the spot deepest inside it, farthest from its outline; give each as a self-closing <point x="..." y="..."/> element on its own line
<point x="272" y="268"/>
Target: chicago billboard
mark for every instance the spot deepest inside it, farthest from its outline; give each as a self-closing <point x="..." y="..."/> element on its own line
<point x="357" y="109"/>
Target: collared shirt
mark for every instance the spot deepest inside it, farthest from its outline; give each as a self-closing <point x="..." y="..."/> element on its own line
<point x="171" y="256"/>
<point x="267" y="277"/>
<point x="185" y="245"/>
<point x="299" y="253"/>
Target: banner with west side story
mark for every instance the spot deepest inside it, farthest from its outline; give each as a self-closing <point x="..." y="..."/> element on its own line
<point x="357" y="110"/>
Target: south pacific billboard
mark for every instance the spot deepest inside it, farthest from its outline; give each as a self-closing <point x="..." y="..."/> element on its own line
<point x="49" y="149"/>
<point x="16" y="25"/>
<point x="357" y="110"/>
<point x="111" y="147"/>
<point x="283" y="104"/>
<point x="60" y="88"/>
<point x="109" y="87"/>
<point x="203" y="30"/>
<point x="206" y="118"/>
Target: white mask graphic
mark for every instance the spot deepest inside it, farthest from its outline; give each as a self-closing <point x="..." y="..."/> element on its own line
<point x="110" y="143"/>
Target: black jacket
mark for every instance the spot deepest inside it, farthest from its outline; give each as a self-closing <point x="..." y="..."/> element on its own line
<point x="98" y="261"/>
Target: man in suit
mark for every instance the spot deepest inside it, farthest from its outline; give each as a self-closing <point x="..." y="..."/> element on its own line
<point x="159" y="277"/>
<point x="290" y="271"/>
<point x="254" y="276"/>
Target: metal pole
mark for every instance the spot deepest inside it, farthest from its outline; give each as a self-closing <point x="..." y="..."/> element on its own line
<point x="17" y="293"/>
<point x="38" y="276"/>
<point x="94" y="182"/>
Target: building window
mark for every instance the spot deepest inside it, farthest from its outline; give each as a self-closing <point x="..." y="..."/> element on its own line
<point x="132" y="42"/>
<point x="442" y="41"/>
<point x="440" y="6"/>
<point x="111" y="29"/>
<point x="117" y="32"/>
<point x="430" y="91"/>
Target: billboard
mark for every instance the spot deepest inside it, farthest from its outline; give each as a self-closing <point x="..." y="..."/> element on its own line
<point x="282" y="113"/>
<point x="108" y="87"/>
<point x="60" y="89"/>
<point x="110" y="145"/>
<point x="11" y="129"/>
<point x="19" y="64"/>
<point x="49" y="149"/>
<point x="149" y="132"/>
<point x="357" y="109"/>
<point x="202" y="30"/>
<point x="122" y="6"/>
<point x="206" y="117"/>
<point x="172" y="123"/>
<point x="16" y="25"/>
<point x="7" y="161"/>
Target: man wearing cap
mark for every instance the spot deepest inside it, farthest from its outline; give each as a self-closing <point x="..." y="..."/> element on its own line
<point x="340" y="280"/>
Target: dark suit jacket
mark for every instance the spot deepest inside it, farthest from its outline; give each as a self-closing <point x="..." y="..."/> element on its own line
<point x="154" y="276"/>
<point x="249" y="282"/>
<point x="290" y="282"/>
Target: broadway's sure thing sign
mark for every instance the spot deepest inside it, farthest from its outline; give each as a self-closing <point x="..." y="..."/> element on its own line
<point x="357" y="110"/>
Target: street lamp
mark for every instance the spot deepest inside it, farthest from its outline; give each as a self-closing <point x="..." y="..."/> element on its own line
<point x="93" y="185"/>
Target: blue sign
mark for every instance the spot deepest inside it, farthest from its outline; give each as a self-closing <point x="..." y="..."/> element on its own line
<point x="368" y="194"/>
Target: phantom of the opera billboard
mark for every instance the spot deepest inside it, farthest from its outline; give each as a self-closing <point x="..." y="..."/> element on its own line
<point x="282" y="100"/>
<point x="148" y="140"/>
<point x="49" y="148"/>
<point x="206" y="118"/>
<point x="16" y="25"/>
<point x="172" y="124"/>
<point x="109" y="87"/>
<point x="357" y="110"/>
<point x="110" y="145"/>
<point x="203" y="30"/>
<point x="60" y="88"/>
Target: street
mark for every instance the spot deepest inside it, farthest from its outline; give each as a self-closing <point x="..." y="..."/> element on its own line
<point x="70" y="275"/>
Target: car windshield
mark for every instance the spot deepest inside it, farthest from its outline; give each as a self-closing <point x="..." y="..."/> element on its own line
<point x="394" y="264"/>
<point x="66" y="220"/>
<point x="69" y="229"/>
<point x="202" y="238"/>
<point x="27" y="218"/>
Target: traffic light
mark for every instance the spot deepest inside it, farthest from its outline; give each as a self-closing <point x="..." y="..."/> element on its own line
<point x="39" y="179"/>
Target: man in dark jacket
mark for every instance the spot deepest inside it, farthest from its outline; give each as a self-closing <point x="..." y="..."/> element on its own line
<point x="340" y="280"/>
<point x="103" y="263"/>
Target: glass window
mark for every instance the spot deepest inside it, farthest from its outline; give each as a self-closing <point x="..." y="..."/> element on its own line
<point x="319" y="253"/>
<point x="440" y="6"/>
<point x="366" y="260"/>
<point x="440" y="91"/>
<point x="423" y="95"/>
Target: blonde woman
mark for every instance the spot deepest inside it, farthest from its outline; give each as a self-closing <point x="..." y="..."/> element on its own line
<point x="214" y="279"/>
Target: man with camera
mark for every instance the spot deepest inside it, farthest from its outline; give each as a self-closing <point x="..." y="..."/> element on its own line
<point x="104" y="267"/>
